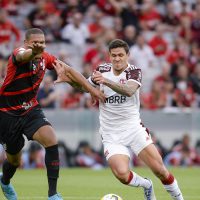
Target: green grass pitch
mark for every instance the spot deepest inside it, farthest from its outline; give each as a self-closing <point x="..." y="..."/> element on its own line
<point x="86" y="184"/>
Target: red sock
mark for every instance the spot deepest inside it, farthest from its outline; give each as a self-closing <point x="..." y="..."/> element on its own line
<point x="130" y="177"/>
<point x="169" y="180"/>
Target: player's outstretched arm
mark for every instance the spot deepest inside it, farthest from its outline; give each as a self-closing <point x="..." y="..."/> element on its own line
<point x="73" y="77"/>
<point x="125" y="89"/>
<point x="26" y="55"/>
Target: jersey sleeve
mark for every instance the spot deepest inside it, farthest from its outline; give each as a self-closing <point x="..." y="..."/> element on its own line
<point x="106" y="67"/>
<point x="14" y="54"/>
<point x="134" y="75"/>
<point x="90" y="78"/>
<point x="92" y="82"/>
<point x="50" y="60"/>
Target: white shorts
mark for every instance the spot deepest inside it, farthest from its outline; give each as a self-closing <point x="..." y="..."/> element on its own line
<point x="137" y="142"/>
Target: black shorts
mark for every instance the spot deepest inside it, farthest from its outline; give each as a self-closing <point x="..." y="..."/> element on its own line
<point x="12" y="128"/>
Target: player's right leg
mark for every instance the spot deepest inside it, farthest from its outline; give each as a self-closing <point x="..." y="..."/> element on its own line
<point x="13" y="142"/>
<point x="119" y="165"/>
<point x="118" y="159"/>
<point x="9" y="168"/>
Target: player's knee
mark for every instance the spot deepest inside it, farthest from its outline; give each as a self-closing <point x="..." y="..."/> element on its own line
<point x="122" y="174"/>
<point x="48" y="141"/>
<point x="45" y="136"/>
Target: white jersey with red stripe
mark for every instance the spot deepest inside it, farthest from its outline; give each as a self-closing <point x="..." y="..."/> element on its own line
<point x="119" y="115"/>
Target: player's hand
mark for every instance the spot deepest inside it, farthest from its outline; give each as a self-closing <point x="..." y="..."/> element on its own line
<point x="59" y="66"/>
<point x="97" y="94"/>
<point x="98" y="78"/>
<point x="37" y="48"/>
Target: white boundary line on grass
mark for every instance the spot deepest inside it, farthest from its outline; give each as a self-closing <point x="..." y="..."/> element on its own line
<point x="194" y="197"/>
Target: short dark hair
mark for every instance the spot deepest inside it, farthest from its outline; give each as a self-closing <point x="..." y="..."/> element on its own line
<point x="32" y="31"/>
<point x="117" y="43"/>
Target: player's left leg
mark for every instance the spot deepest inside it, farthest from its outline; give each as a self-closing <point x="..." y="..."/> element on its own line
<point x="153" y="160"/>
<point x="37" y="127"/>
<point x="45" y="136"/>
<point x="119" y="165"/>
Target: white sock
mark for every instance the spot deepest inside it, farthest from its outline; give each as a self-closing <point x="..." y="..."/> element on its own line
<point x="174" y="190"/>
<point x="138" y="181"/>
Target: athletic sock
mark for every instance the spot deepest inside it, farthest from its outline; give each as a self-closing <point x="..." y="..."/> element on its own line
<point x="8" y="172"/>
<point x="52" y="165"/>
<point x="171" y="186"/>
<point x="137" y="181"/>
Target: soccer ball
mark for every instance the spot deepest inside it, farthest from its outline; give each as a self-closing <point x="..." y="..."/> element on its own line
<point x="111" y="197"/>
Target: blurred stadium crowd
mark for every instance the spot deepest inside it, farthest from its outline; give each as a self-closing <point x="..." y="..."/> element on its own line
<point x="163" y="35"/>
<point x="181" y="153"/>
<point x="164" y="41"/>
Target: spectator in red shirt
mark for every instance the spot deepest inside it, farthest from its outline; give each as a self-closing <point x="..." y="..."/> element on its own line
<point x="106" y="7"/>
<point x="183" y="96"/>
<point x="7" y="30"/>
<point x="96" y="29"/>
<point x="156" y="99"/>
<point x="179" y="50"/>
<point x="96" y="54"/>
<point x="149" y="16"/>
<point x="158" y="43"/>
<point x="72" y="99"/>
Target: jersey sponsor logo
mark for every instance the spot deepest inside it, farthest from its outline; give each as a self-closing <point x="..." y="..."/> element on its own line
<point x="45" y="119"/>
<point x="116" y="99"/>
<point x="26" y="106"/>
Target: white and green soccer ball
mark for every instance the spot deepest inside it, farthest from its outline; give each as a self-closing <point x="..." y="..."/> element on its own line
<point x="111" y="197"/>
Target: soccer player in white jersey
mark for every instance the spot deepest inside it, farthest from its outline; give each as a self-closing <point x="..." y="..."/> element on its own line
<point x="120" y="124"/>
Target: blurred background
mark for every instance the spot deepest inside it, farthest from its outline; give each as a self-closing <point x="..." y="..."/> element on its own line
<point x="164" y="41"/>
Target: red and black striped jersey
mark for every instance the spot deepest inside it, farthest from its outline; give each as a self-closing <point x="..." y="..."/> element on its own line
<point x="19" y="90"/>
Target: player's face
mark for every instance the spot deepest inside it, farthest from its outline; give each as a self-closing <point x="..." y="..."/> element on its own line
<point x="119" y="59"/>
<point x="36" y="39"/>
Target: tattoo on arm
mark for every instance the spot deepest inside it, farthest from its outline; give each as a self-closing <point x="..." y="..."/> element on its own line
<point x="123" y="89"/>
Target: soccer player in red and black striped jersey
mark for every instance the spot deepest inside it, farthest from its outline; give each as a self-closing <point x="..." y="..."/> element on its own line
<point x="20" y="113"/>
